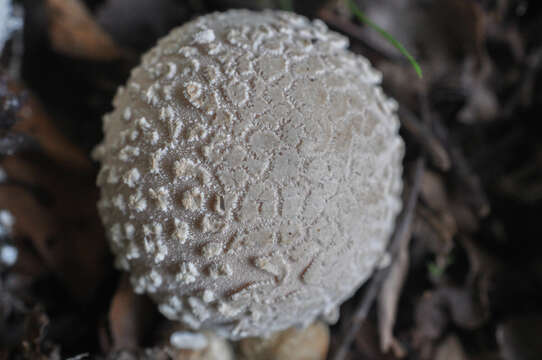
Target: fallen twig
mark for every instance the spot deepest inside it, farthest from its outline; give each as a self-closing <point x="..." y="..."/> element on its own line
<point x="402" y="231"/>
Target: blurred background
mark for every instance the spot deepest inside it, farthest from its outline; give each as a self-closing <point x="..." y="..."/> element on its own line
<point x="465" y="280"/>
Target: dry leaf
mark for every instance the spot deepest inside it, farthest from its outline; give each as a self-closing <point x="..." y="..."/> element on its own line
<point x="450" y="349"/>
<point x="442" y="225"/>
<point x="73" y="31"/>
<point x="52" y="195"/>
<point x="464" y="307"/>
<point x="470" y="36"/>
<point x="60" y="218"/>
<point x="367" y="343"/>
<point x="433" y="191"/>
<point x="136" y="24"/>
<point x="34" y="122"/>
<point x="129" y="316"/>
<point x="430" y="319"/>
<point x="310" y="343"/>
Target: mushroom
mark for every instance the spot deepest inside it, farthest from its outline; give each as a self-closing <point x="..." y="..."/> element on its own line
<point x="250" y="173"/>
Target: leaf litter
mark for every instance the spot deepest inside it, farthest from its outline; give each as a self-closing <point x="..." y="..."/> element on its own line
<point x="466" y="280"/>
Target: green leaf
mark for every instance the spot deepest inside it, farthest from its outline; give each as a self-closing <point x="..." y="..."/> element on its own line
<point x="437" y="270"/>
<point x="364" y="19"/>
<point x="434" y="270"/>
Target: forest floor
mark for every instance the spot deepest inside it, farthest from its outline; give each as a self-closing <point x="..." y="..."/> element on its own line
<point x="466" y="277"/>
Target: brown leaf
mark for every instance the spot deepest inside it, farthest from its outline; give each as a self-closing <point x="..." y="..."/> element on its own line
<point x="434" y="226"/>
<point x="367" y="343"/>
<point x="53" y="197"/>
<point x="33" y="121"/>
<point x="73" y="31"/>
<point x="430" y="319"/>
<point x="450" y="349"/>
<point x="437" y="308"/>
<point x="129" y="316"/>
<point x="466" y="219"/>
<point x="136" y="24"/>
<point x="440" y="224"/>
<point x="467" y="38"/>
<point x="482" y="103"/>
<point x="433" y="191"/>
<point x="292" y="344"/>
<point x="464" y="307"/>
<point x="62" y="224"/>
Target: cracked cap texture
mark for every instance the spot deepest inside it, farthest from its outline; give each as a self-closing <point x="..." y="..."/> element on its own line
<point x="250" y="172"/>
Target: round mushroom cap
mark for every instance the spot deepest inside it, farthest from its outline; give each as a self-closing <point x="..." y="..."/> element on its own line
<point x="250" y="172"/>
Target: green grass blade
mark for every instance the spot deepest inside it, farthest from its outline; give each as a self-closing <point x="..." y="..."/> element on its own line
<point x="361" y="17"/>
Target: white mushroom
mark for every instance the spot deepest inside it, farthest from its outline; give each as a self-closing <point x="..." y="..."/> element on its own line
<point x="268" y="163"/>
